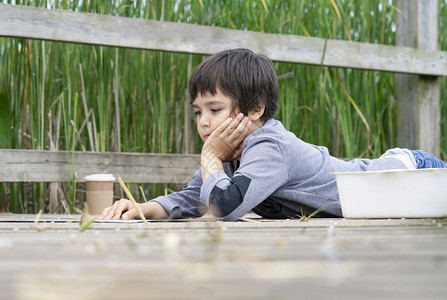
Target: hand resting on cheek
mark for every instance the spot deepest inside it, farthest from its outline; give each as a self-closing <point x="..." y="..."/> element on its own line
<point x="225" y="143"/>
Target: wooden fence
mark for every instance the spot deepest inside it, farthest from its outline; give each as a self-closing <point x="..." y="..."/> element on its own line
<point x="416" y="60"/>
<point x="59" y="166"/>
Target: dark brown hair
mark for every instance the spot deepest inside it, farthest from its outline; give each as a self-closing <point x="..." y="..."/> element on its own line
<point x="247" y="78"/>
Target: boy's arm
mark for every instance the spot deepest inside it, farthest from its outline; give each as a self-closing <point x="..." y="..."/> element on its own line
<point x="182" y="204"/>
<point x="185" y="203"/>
<point x="263" y="170"/>
<point x="224" y="144"/>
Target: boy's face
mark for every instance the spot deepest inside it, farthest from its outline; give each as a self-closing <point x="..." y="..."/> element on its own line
<point x="211" y="111"/>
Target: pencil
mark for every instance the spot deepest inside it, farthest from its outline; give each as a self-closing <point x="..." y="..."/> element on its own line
<point x="134" y="203"/>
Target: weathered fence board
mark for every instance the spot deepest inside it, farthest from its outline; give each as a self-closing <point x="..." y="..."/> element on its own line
<point x="59" y="166"/>
<point x="85" y="28"/>
<point x="418" y="117"/>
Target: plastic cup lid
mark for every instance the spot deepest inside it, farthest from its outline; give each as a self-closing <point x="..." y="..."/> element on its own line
<point x="99" y="177"/>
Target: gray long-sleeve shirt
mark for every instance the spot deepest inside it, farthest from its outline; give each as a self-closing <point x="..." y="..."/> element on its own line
<point x="278" y="176"/>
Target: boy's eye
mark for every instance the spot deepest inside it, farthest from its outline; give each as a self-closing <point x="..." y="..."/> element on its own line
<point x="196" y="113"/>
<point x="215" y="110"/>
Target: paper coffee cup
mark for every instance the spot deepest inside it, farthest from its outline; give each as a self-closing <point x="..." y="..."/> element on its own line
<point x="99" y="190"/>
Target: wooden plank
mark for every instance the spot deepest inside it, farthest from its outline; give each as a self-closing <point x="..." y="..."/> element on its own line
<point x="94" y="29"/>
<point x="54" y="221"/>
<point x="418" y="117"/>
<point x="58" y="166"/>
<point x="249" y="280"/>
<point x="367" y="259"/>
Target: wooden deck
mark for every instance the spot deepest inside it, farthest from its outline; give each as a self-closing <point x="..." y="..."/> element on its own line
<point x="204" y="259"/>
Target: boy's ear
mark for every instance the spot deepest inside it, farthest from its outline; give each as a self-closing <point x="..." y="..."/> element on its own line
<point x="256" y="113"/>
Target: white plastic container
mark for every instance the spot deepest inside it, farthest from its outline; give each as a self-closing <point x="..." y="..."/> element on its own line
<point x="393" y="194"/>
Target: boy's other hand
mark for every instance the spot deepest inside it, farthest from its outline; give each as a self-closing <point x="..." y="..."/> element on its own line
<point x="225" y="142"/>
<point x="123" y="209"/>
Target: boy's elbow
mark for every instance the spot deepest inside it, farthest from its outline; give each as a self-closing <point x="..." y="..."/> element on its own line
<point x="223" y="215"/>
<point x="223" y="202"/>
<point x="223" y="209"/>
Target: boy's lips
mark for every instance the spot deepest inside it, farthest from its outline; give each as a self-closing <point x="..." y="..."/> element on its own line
<point x="206" y="135"/>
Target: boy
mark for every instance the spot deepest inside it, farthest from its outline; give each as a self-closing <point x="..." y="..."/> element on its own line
<point x="249" y="161"/>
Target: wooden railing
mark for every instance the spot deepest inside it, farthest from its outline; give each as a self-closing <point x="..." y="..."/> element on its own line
<point x="94" y="29"/>
<point x="418" y="126"/>
<point x="59" y="166"/>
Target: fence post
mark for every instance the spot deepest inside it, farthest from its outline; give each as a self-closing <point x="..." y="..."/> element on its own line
<point x="418" y="120"/>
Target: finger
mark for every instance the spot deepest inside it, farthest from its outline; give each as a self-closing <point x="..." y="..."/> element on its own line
<point x="222" y="127"/>
<point x="232" y="140"/>
<point x="104" y="213"/>
<point x="120" y="209"/>
<point x="246" y="130"/>
<point x="234" y="124"/>
<point x="241" y="132"/>
<point x="238" y="152"/>
<point x="131" y="215"/>
<point x="109" y="212"/>
<point x="123" y="206"/>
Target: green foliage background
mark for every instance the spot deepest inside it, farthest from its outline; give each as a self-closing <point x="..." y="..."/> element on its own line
<point x="68" y="96"/>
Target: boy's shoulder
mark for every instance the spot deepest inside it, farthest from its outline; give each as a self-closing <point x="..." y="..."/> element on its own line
<point x="271" y="134"/>
<point x="271" y="129"/>
<point x="274" y="134"/>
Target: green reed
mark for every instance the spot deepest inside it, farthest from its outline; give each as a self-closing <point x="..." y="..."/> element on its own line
<point x="91" y="98"/>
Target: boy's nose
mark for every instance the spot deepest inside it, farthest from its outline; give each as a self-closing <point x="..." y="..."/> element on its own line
<point x="204" y="121"/>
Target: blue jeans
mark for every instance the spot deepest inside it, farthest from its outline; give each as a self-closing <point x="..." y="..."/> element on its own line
<point x="425" y="160"/>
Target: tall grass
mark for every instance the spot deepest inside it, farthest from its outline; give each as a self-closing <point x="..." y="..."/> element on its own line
<point x="91" y="98"/>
